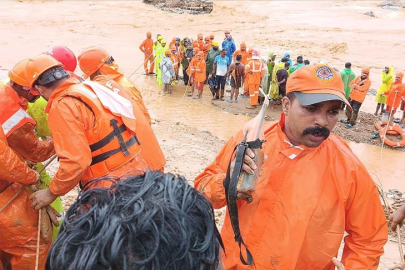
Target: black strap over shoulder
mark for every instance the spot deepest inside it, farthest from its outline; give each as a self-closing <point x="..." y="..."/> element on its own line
<point x="230" y="184"/>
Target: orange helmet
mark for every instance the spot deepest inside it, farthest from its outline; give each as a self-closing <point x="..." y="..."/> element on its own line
<point x="17" y="73"/>
<point x="63" y="55"/>
<point x="168" y="53"/>
<point x="91" y="59"/>
<point x="38" y="65"/>
<point x="148" y="33"/>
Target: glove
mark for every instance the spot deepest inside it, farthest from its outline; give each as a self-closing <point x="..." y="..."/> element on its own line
<point x="53" y="215"/>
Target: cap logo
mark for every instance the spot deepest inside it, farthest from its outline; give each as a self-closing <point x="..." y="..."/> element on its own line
<point x="324" y="73"/>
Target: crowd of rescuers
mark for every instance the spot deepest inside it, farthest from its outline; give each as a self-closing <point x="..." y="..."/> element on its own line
<point x="311" y="188"/>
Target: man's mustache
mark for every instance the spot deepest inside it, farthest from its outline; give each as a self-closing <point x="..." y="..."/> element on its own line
<point x="323" y="131"/>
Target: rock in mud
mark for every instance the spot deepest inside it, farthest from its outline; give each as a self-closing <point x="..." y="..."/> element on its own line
<point x="183" y="6"/>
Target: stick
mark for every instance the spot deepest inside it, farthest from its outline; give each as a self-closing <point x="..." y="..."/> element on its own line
<point x="401" y="251"/>
<point x="15" y="196"/>
<point x="18" y="192"/>
<point x="38" y="238"/>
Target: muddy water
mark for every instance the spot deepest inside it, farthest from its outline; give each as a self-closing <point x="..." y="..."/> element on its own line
<point x="386" y="167"/>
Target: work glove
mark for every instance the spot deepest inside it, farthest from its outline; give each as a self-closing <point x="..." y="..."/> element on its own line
<point x="49" y="216"/>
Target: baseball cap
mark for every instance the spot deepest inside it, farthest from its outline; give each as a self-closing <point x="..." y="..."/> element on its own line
<point x="315" y="84"/>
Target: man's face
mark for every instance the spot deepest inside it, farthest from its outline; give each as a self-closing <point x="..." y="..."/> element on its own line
<point x="177" y="42"/>
<point x="273" y="58"/>
<point x="309" y="125"/>
<point x="198" y="56"/>
<point x="223" y="53"/>
<point x="229" y="37"/>
<point x="364" y="75"/>
<point x="397" y="79"/>
<point x="386" y="69"/>
<point x="163" y="44"/>
<point x="43" y="91"/>
<point x="149" y="36"/>
<point x="215" y="48"/>
<point x="243" y="49"/>
<point x="24" y="91"/>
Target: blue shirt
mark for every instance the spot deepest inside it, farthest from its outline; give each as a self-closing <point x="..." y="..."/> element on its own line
<point x="222" y="65"/>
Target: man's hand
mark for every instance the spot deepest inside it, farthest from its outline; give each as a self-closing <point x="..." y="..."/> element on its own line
<point x="42" y="198"/>
<point x="397" y="218"/>
<point x="338" y="264"/>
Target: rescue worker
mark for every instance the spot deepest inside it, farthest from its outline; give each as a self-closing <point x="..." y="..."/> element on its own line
<point x="212" y="37"/>
<point x="175" y="58"/>
<point x="270" y="66"/>
<point x="160" y="53"/>
<point x="199" y="42"/>
<point x="191" y="71"/>
<point x="156" y="46"/>
<point x="347" y="75"/>
<point x="199" y="74"/>
<point x="255" y="68"/>
<point x="360" y="87"/>
<point x="17" y="133"/>
<point x="207" y="46"/>
<point x="242" y="51"/>
<point x="91" y="62"/>
<point x="94" y="131"/>
<point x="110" y="69"/>
<point x="387" y="76"/>
<point x="147" y="48"/>
<point x="245" y="83"/>
<point x="394" y="96"/>
<point x="229" y="45"/>
<point x="166" y="66"/>
<point x="210" y="58"/>
<point x="309" y="213"/>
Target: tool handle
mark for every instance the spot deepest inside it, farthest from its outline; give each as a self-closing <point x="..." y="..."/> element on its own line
<point x="247" y="182"/>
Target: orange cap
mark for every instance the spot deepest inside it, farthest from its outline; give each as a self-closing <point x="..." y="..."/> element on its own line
<point x="212" y="36"/>
<point x="91" y="59"/>
<point x="398" y="74"/>
<point x="365" y="70"/>
<point x="200" y="53"/>
<point x="243" y="45"/>
<point x="148" y="33"/>
<point x="227" y="32"/>
<point x="38" y="65"/>
<point x="317" y="83"/>
<point x="17" y="73"/>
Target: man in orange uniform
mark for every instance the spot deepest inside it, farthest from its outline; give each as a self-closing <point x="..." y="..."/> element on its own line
<point x="242" y="51"/>
<point x="245" y="83"/>
<point x="207" y="46"/>
<point x="95" y="133"/>
<point x="175" y="58"/>
<point x="91" y="62"/>
<point x="199" y="75"/>
<point x="310" y="191"/>
<point x="17" y="133"/>
<point x="147" y="48"/>
<point x="360" y="87"/>
<point x="395" y="95"/>
<point x="255" y="69"/>
<point x="110" y="69"/>
<point x="200" y="42"/>
<point x="191" y="70"/>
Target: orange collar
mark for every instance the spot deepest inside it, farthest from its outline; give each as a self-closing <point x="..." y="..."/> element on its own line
<point x="60" y="91"/>
<point x="288" y="149"/>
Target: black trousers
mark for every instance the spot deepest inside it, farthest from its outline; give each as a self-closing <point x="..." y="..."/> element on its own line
<point x="352" y="115"/>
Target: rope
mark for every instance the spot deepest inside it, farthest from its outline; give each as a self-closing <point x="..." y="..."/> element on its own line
<point x="38" y="239"/>
<point x="385" y="200"/>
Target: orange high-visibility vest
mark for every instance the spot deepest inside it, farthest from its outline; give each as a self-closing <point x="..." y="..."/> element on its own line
<point x="111" y="143"/>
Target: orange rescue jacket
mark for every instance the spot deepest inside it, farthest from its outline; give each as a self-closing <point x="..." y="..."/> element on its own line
<point x="360" y="91"/>
<point x="147" y="46"/>
<point x="90" y="141"/>
<point x="255" y="66"/>
<point x="395" y="94"/>
<point x="305" y="201"/>
<point x="244" y="54"/>
<point x="200" y="68"/>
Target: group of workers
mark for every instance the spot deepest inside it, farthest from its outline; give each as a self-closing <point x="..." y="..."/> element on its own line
<point x="311" y="188"/>
<point x="202" y="62"/>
